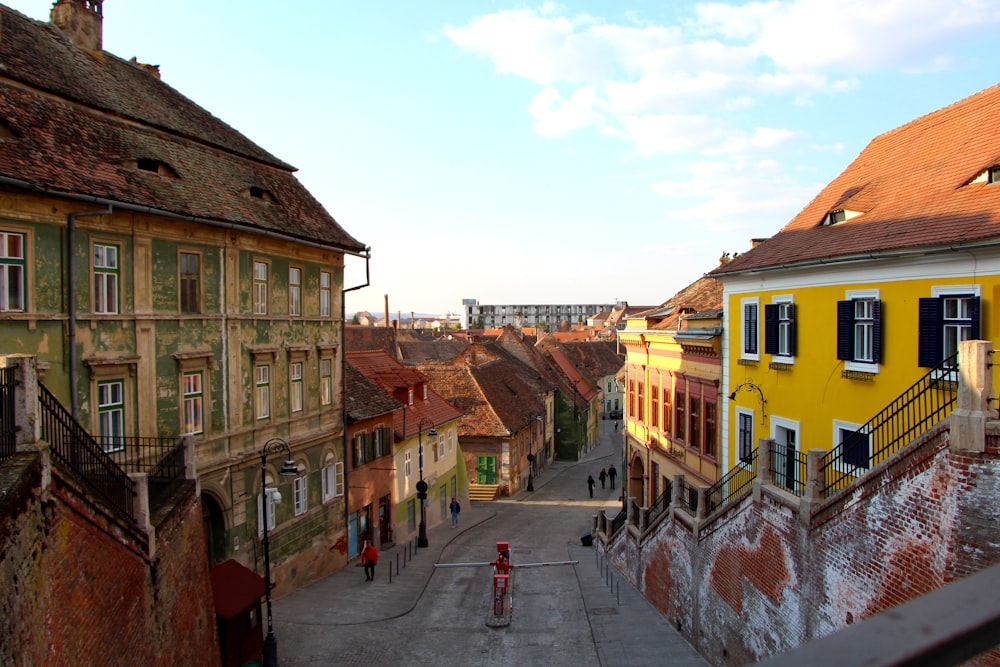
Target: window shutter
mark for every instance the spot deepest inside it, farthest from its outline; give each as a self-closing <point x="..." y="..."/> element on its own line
<point x="877" y="331"/>
<point x="771" y="328"/>
<point x="845" y="330"/>
<point x="750" y="328"/>
<point x="974" y="308"/>
<point x="929" y="336"/>
<point x="792" y="329"/>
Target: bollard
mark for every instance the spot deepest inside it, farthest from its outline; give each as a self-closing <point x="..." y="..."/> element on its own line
<point x="397" y="564"/>
<point x="390" y="573"/>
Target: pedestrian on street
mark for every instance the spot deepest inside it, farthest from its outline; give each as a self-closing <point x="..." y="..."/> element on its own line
<point x="590" y="485"/>
<point x="616" y="426"/>
<point x="612" y="473"/>
<point x="603" y="476"/>
<point x="455" y="509"/>
<point x="369" y="556"/>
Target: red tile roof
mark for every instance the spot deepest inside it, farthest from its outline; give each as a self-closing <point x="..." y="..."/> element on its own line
<point x="235" y="588"/>
<point x="912" y="187"/>
<point x="79" y="121"/>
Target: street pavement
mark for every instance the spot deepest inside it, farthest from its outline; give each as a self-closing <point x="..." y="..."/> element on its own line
<point x="414" y="613"/>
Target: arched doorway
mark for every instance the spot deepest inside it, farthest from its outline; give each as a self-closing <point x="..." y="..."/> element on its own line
<point x="214" y="524"/>
<point x="636" y="472"/>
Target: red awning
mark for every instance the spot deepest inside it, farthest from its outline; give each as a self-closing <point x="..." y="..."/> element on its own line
<point x="235" y="588"/>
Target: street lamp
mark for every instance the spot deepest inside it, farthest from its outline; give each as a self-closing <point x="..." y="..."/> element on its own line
<point x="531" y="454"/>
<point x="422" y="485"/>
<point x="288" y="469"/>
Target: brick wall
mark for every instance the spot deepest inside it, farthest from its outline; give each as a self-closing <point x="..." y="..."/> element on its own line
<point x="760" y="578"/>
<point x="80" y="587"/>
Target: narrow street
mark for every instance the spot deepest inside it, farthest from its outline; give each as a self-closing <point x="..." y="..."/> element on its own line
<point x="562" y="615"/>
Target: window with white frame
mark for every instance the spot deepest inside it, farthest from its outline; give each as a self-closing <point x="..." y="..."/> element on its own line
<point x="12" y="272"/>
<point x="325" y="283"/>
<point x="451" y="441"/>
<point x="951" y="316"/>
<point x="407" y="464"/>
<point x="193" y="402"/>
<point x="332" y="477"/>
<point x="440" y="446"/>
<point x="301" y="499"/>
<point x="744" y="434"/>
<point x="294" y="291"/>
<point x="295" y="390"/>
<point x="749" y="328"/>
<point x="779" y="328"/>
<point x="326" y="381"/>
<point x="271" y="496"/>
<point x="106" y="271"/>
<point x="859" y="331"/>
<point x="855" y="445"/>
<point x="111" y="414"/>
<point x="259" y="287"/>
<point x="262" y="395"/>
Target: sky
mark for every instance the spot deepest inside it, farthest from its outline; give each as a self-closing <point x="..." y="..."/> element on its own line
<point x="543" y="152"/>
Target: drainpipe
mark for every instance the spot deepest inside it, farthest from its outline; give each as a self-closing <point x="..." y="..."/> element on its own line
<point x="71" y="302"/>
<point x="343" y="377"/>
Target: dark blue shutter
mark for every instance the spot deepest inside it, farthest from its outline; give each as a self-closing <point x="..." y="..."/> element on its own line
<point x="771" y="328"/>
<point x="974" y="314"/>
<point x="750" y="328"/>
<point x="877" y="332"/>
<point x="929" y="336"/>
<point x="845" y="330"/>
<point x="793" y="327"/>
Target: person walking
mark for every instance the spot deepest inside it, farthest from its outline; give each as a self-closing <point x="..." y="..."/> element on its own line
<point x="455" y="509"/>
<point x="616" y="426"/>
<point x="603" y="476"/>
<point x="590" y="485"/>
<point x="369" y="556"/>
<point x="612" y="473"/>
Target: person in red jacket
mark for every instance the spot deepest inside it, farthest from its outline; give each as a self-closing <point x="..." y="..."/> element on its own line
<point x="369" y="556"/>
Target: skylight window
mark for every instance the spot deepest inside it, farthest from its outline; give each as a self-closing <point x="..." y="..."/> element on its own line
<point x="257" y="192"/>
<point x="838" y="216"/>
<point x="988" y="175"/>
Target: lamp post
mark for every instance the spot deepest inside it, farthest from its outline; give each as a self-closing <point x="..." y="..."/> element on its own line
<point x="531" y="454"/>
<point x="422" y="485"/>
<point x="288" y="469"/>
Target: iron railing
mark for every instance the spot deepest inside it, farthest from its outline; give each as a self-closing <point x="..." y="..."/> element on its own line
<point x="733" y="484"/>
<point x="162" y="459"/>
<point x="913" y="412"/>
<point x="70" y="443"/>
<point x="789" y="468"/>
<point x="618" y="522"/>
<point x="8" y="423"/>
<point x="659" y="506"/>
<point x="689" y="497"/>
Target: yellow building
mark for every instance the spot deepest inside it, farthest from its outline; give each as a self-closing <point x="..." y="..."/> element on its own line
<point x="673" y="368"/>
<point x="867" y="290"/>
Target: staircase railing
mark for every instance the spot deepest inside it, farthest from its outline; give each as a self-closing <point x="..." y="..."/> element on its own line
<point x="926" y="402"/>
<point x="732" y="484"/>
<point x="71" y="444"/>
<point x="8" y="424"/>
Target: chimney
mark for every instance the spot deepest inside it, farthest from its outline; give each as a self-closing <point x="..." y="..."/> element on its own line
<point x="82" y="21"/>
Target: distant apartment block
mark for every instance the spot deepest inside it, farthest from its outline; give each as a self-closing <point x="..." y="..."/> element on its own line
<point x="478" y="316"/>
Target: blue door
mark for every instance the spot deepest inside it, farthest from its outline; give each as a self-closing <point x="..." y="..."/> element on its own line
<point x="352" y="536"/>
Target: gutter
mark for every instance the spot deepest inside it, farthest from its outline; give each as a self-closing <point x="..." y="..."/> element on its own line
<point x="4" y="180"/>
<point x="847" y="259"/>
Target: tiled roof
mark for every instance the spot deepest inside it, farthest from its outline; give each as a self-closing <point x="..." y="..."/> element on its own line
<point x="912" y="187"/>
<point x="583" y="389"/>
<point x="419" y="351"/>
<point x="358" y="338"/>
<point x="703" y="296"/>
<point x="364" y="398"/>
<point x="595" y="359"/>
<point x="79" y="121"/>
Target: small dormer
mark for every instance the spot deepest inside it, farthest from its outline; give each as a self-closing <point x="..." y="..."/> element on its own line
<point x="988" y="175"/>
<point x="151" y="165"/>
<point x="837" y="216"/>
<point x="259" y="193"/>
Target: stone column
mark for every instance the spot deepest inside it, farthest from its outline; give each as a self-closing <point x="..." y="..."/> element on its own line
<point x="975" y="386"/>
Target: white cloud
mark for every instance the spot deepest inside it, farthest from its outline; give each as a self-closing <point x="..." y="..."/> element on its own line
<point x="556" y="117"/>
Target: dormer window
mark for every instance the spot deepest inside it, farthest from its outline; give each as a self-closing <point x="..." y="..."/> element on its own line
<point x="838" y="216"/>
<point x="154" y="166"/>
<point x="988" y="175"/>
<point x="257" y="192"/>
<point x="994" y="175"/>
<point x="6" y="132"/>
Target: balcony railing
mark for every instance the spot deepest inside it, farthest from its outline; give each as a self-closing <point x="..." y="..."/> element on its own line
<point x="734" y="483"/>
<point x="73" y="446"/>
<point x="913" y="412"/>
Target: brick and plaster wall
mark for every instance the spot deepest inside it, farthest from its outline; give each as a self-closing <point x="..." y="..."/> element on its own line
<point x="771" y="572"/>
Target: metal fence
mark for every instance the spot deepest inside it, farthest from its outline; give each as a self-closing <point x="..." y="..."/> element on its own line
<point x="658" y="507"/>
<point x="618" y="522"/>
<point x="8" y="425"/>
<point x="162" y="459"/>
<point x="73" y="446"/>
<point x="789" y="468"/>
<point x="734" y="483"/>
<point x="913" y="412"/>
<point x="689" y="497"/>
